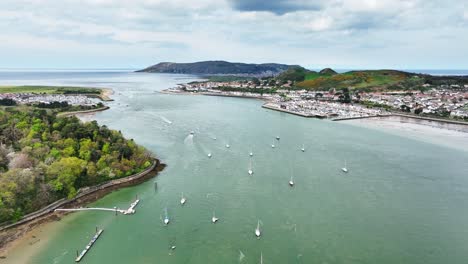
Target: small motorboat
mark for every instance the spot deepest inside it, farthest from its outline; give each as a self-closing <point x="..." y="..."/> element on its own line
<point x="272" y="145"/>
<point x="251" y="154"/>
<point x="277" y="138"/>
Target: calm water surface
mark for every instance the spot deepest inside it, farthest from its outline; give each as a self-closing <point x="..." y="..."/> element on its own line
<point x="403" y="200"/>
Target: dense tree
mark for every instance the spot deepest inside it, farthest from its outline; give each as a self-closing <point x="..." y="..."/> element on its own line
<point x="44" y="158"/>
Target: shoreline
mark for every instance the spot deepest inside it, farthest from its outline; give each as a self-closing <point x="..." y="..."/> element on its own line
<point x="10" y="235"/>
<point x="66" y="114"/>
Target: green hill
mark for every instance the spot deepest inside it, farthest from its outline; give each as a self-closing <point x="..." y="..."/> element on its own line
<point x="359" y="79"/>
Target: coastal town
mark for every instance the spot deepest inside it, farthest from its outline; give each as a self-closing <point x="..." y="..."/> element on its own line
<point x="435" y="101"/>
<point x="34" y="98"/>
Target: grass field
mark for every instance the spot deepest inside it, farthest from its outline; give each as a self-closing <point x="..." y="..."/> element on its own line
<point x="49" y="89"/>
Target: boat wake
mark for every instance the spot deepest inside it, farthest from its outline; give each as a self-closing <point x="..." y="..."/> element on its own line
<point x="241" y="256"/>
<point x="189" y="140"/>
<point x="59" y="258"/>
<point x="166" y="120"/>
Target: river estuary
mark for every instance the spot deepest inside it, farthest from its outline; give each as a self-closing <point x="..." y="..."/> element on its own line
<point x="402" y="201"/>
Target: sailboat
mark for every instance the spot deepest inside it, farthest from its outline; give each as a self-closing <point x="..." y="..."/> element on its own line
<point x="272" y="145"/>
<point x="345" y="168"/>
<point x="250" y="167"/>
<point x="166" y="218"/>
<point x="261" y="257"/>
<point x="303" y="148"/>
<point x="258" y="233"/>
<point x="183" y="199"/>
<point x="228" y="146"/>
<point x="250" y="153"/>
<point x="209" y="155"/>
<point x="214" y="219"/>
<point x="291" y="182"/>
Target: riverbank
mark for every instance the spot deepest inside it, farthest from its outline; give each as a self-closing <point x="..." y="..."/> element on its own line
<point x="11" y="235"/>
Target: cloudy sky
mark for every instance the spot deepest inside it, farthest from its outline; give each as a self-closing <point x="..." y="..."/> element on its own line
<point x="404" y="34"/>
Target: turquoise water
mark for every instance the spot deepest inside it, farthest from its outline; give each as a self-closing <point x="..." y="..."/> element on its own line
<point x="403" y="201"/>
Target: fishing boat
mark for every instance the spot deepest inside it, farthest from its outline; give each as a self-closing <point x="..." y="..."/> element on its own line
<point x="214" y="219"/>
<point x="291" y="182"/>
<point x="258" y="233"/>
<point x="183" y="199"/>
<point x="345" y="168"/>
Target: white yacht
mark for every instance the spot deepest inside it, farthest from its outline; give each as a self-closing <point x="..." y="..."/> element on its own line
<point x="250" y="167"/>
<point x="209" y="155"/>
<point x="272" y="145"/>
<point x="214" y="219"/>
<point x="291" y="182"/>
<point x="166" y="218"/>
<point x="228" y="146"/>
<point x="183" y="200"/>
<point x="345" y="168"/>
<point x="303" y="148"/>
<point x="258" y="233"/>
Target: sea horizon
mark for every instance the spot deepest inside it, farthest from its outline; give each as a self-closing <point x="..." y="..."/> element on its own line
<point x="437" y="72"/>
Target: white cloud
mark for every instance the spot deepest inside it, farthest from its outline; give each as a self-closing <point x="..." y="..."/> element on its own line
<point x="213" y="29"/>
<point x="320" y="24"/>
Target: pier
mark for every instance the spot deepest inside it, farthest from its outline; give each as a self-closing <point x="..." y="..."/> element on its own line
<point x="130" y="210"/>
<point x="80" y="256"/>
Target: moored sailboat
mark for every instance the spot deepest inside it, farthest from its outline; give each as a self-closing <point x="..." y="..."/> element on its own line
<point x="214" y="219"/>
<point x="258" y="232"/>
<point x="183" y="200"/>
<point x="345" y="168"/>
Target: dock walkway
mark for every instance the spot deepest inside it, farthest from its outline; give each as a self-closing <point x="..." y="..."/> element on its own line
<point x="90" y="244"/>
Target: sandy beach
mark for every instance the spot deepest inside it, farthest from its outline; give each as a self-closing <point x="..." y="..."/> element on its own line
<point x="439" y="133"/>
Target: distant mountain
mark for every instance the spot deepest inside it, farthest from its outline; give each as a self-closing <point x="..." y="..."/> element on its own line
<point x="327" y="71"/>
<point x="219" y="68"/>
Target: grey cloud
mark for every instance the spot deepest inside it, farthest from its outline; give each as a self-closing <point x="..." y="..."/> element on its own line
<point x="279" y="7"/>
